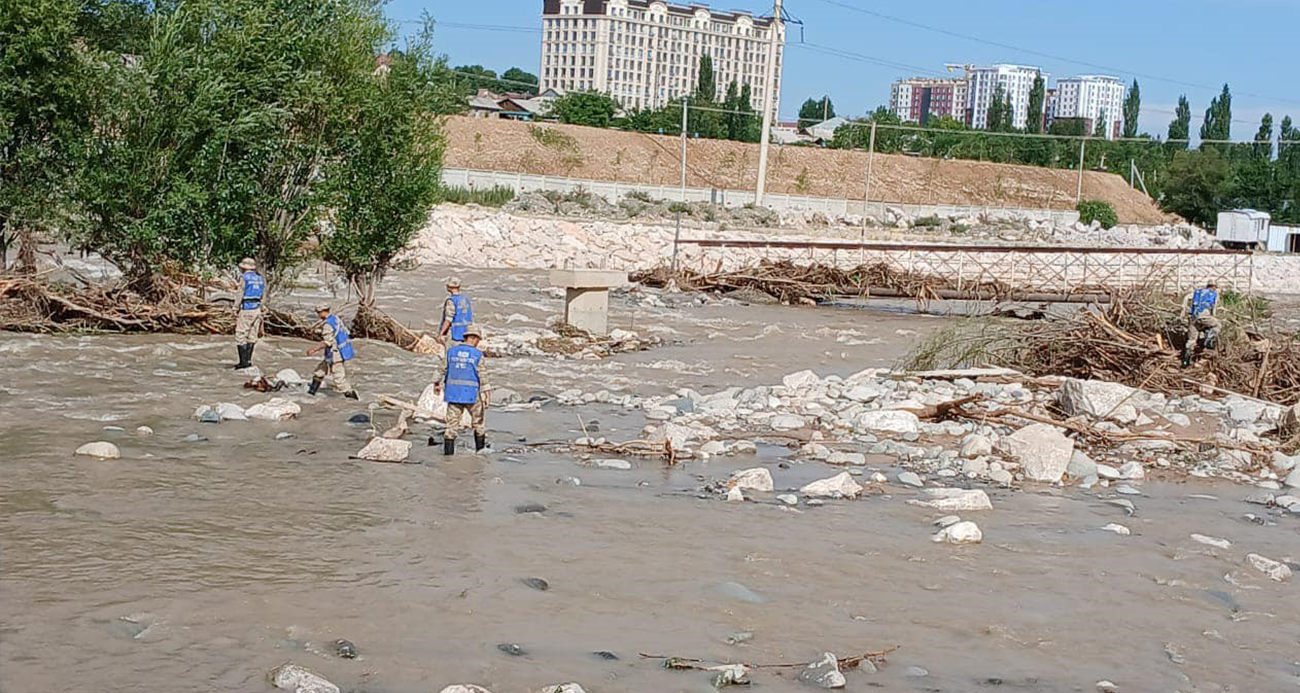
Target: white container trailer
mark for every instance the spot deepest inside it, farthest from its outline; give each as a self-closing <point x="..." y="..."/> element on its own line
<point x="1283" y="239"/>
<point x="1242" y="228"/>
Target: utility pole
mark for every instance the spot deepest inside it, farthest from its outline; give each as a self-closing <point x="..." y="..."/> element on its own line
<point x="677" y="234"/>
<point x="774" y="32"/>
<point x="1078" y="194"/>
<point x="871" y="157"/>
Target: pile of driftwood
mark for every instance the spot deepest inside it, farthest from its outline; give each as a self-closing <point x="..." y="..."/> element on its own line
<point x="1136" y="340"/>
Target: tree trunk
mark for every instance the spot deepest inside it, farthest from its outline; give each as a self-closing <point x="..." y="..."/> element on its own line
<point x="27" y="245"/>
<point x="372" y="323"/>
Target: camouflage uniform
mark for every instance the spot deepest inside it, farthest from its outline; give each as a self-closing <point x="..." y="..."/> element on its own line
<point x="332" y="366"/>
<point x="477" y="410"/>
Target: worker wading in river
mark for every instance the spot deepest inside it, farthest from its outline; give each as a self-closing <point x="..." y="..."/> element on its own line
<point x="248" y="320"/>
<point x="1201" y="307"/>
<point x="337" y="345"/>
<point x="465" y="389"/>
<point x="457" y="315"/>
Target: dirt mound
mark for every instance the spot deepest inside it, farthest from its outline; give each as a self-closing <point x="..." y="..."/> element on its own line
<point x="611" y="155"/>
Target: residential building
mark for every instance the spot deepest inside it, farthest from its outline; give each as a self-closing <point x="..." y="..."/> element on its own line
<point x="824" y="131"/>
<point x="511" y="105"/>
<point x="1016" y="82"/>
<point x="646" y="52"/>
<point x="919" y="98"/>
<point x="1049" y="108"/>
<point x="1093" y="98"/>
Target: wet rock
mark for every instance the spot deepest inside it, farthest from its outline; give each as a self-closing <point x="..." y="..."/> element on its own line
<point x="947" y="521"/>
<point x="345" y="649"/>
<point x="289" y="376"/>
<point x="959" y="533"/>
<point x="916" y="672"/>
<point x="274" y="409"/>
<point x="756" y="479"/>
<point x="1212" y="541"/>
<point x="1117" y="528"/>
<point x="739" y="637"/>
<point x="359" y="419"/>
<point x="283" y="435"/>
<point x="1127" y="490"/>
<point x="100" y="449"/>
<point x="385" y="450"/>
<point x="1132" y="470"/>
<point x="823" y="673"/>
<point x="563" y="688"/>
<point x="955" y="500"/>
<point x="623" y="465"/>
<point x="1275" y="570"/>
<point x="735" y="495"/>
<point x="1081" y="465"/>
<point x="1099" y="399"/>
<point x="1043" y="451"/>
<point x="976" y="445"/>
<point x="537" y="583"/>
<point x="210" y="416"/>
<point x="787" y="422"/>
<point x="1106" y="471"/>
<point x="530" y="508"/>
<point x="801" y="381"/>
<point x="1293" y="479"/>
<point x="735" y="590"/>
<point x="910" y="479"/>
<point x="230" y="411"/>
<point x="730" y="675"/>
<point x="143" y="431"/>
<point x="788" y="498"/>
<point x="1001" y="476"/>
<point x="713" y="448"/>
<point x="195" y="438"/>
<point x="300" y="680"/>
<point x="890" y="421"/>
<point x="464" y="688"/>
<point x="841" y="485"/>
<point x="512" y="649"/>
<point x="605" y="655"/>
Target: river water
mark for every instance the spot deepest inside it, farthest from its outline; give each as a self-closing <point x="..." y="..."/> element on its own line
<point x="199" y="565"/>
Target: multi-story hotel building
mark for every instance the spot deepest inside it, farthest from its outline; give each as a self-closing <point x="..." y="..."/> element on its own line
<point x="647" y="52"/>
<point x="1092" y="97"/>
<point x="1016" y="82"/>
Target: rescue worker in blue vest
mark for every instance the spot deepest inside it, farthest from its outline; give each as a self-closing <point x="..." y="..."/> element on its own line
<point x="457" y="314"/>
<point x="1201" y="307"/>
<point x="466" y="390"/>
<point x="337" y="345"/>
<point x="248" y="321"/>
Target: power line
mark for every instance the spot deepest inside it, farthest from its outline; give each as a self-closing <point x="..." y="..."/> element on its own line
<point x="484" y="27"/>
<point x="1029" y="51"/>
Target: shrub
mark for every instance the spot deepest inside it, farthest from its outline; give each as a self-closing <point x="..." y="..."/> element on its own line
<point x="488" y="197"/>
<point x="931" y="221"/>
<point x="639" y="196"/>
<point x="1097" y="210"/>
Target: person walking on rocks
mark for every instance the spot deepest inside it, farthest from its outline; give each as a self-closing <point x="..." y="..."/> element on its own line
<point x="337" y="345"/>
<point x="248" y="320"/>
<point x="1201" y="306"/>
<point x="465" y="389"/>
<point x="457" y="315"/>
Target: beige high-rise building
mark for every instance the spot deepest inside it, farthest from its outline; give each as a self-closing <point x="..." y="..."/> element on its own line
<point x="647" y="52"/>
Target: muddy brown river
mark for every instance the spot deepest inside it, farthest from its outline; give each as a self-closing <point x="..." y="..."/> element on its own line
<point x="198" y="565"/>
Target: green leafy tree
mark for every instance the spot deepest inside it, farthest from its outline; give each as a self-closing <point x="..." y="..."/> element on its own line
<point x="856" y="134"/>
<point x="1103" y="121"/>
<point x="1263" y="146"/>
<point x="814" y="111"/>
<point x="516" y="79"/>
<point x="706" y="82"/>
<point x="387" y="175"/>
<point x="1000" y="117"/>
<point x="584" y="108"/>
<point x="1198" y="183"/>
<point x="1180" y="128"/>
<point x="1037" y="93"/>
<point x="475" y="77"/>
<point x="1132" y="108"/>
<point x="1218" y="118"/>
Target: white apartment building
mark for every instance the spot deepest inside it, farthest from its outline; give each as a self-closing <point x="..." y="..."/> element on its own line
<point x="1093" y="97"/>
<point x="1016" y="81"/>
<point x="647" y="52"/>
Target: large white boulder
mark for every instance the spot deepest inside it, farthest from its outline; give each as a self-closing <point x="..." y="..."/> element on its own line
<point x="274" y="409"/>
<point x="787" y="422"/>
<point x="824" y="673"/>
<point x="1099" y="399"/>
<point x="100" y="449"/>
<point x="300" y="680"/>
<point x="890" y="421"/>
<point x="230" y="411"/>
<point x="955" y="499"/>
<point x="386" y="450"/>
<point x="841" y="485"/>
<point x="1275" y="570"/>
<point x="801" y="381"/>
<point x="755" y="479"/>
<point x="1042" y="450"/>
<point x="959" y="533"/>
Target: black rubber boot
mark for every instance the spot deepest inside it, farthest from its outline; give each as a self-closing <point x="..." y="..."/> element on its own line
<point x="315" y="385"/>
<point x="351" y="394"/>
<point x="448" y="446"/>
<point x="245" y="353"/>
<point x="249" y="356"/>
<point x="480" y="441"/>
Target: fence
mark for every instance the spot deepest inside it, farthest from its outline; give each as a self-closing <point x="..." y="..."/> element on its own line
<point x="526" y="182"/>
<point x="1047" y="269"/>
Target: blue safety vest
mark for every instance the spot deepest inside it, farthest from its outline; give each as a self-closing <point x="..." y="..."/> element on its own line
<point x="463" y="318"/>
<point x="341" y="339"/>
<point x="1203" y="300"/>
<point x="254" y="287"/>
<point x="462" y="374"/>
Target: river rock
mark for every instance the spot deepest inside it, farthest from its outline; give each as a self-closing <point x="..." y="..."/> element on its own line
<point x="1275" y="570"/>
<point x="1211" y="541"/>
<point x="824" y="672"/>
<point x="890" y="421"/>
<point x="230" y="411"/>
<point x="1043" y="451"/>
<point x="1001" y="476"/>
<point x="100" y="449"/>
<point x="964" y="532"/>
<point x="1099" y="399"/>
<point x="1132" y="470"/>
<point x="1293" y="479"/>
<point x="1117" y="528"/>
<point x="841" y="485"/>
<point x="910" y="479"/>
<point x="614" y="464"/>
<point x="787" y="422"/>
<point x="563" y="688"/>
<point x="385" y="450"/>
<point x="464" y="688"/>
<point x="274" y="409"/>
<point x="300" y="680"/>
<point x="1081" y="465"/>
<point x="735" y="495"/>
<point x="345" y="649"/>
<point x="143" y="431"/>
<point x="976" y="445"/>
<point x="756" y="479"/>
<point x="955" y="499"/>
<point x="801" y="381"/>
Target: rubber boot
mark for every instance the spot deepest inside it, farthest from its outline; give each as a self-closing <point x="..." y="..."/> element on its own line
<point x="448" y="446"/>
<point x="351" y="394"/>
<point x="244" y="355"/>
<point x="249" y="356"/>
<point x="315" y="385"/>
<point x="480" y="441"/>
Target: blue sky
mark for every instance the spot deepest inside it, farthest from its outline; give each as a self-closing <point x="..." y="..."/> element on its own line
<point x="1193" y="45"/>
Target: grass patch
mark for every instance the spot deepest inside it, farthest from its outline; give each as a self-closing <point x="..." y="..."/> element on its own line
<point x="550" y="137"/>
<point x="930" y="222"/>
<point x="487" y="197"/>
